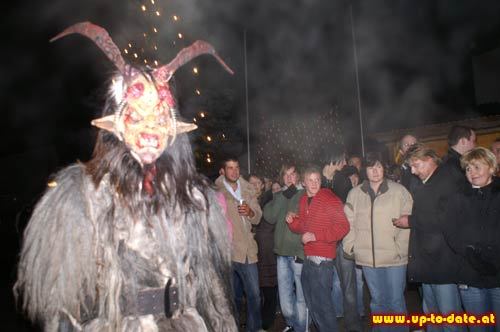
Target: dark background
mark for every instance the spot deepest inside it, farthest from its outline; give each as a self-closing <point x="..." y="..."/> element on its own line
<point x="415" y="61"/>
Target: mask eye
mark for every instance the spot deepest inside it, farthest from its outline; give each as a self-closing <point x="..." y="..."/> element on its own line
<point x="132" y="117"/>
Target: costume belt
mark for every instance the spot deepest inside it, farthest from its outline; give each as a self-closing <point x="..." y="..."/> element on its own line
<point x="154" y="301"/>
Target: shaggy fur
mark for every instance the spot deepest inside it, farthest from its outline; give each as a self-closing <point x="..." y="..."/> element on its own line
<point x="97" y="238"/>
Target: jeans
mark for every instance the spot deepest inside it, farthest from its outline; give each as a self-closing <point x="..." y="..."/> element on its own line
<point x="246" y="277"/>
<point x="387" y="290"/>
<point x="317" y="281"/>
<point x="442" y="299"/>
<point x="292" y="302"/>
<point x="348" y="291"/>
<point x="479" y="301"/>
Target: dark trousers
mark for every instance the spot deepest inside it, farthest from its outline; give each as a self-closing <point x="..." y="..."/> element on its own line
<point x="317" y="281"/>
<point x="347" y="274"/>
<point x="269" y="300"/>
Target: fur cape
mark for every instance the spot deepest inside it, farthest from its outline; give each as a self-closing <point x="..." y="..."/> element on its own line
<point x="91" y="246"/>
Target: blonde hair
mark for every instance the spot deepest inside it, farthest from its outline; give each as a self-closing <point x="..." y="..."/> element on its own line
<point x="479" y="154"/>
<point x="421" y="151"/>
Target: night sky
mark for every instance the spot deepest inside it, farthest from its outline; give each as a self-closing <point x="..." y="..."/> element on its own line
<point x="414" y="59"/>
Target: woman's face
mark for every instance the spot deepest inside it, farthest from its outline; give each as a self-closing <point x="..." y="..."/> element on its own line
<point x="375" y="173"/>
<point x="257" y="184"/>
<point x="479" y="173"/>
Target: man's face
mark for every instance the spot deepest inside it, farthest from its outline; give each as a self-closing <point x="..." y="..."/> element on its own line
<point x="356" y="162"/>
<point x="495" y="148"/>
<point x="232" y="171"/>
<point x="470" y="143"/>
<point x="423" y="168"/>
<point x="290" y="177"/>
<point x="267" y="183"/>
<point x="479" y="173"/>
<point x="375" y="173"/>
<point x="406" y="142"/>
<point x="312" y="183"/>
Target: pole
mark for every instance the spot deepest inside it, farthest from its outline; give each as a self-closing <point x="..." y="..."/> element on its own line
<point x="358" y="94"/>
<point x="246" y="97"/>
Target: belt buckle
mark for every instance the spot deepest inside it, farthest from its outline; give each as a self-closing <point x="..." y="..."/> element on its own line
<point x="298" y="260"/>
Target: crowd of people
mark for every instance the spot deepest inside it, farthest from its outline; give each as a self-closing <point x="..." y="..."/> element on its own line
<point x="308" y="247"/>
<point x="135" y="239"/>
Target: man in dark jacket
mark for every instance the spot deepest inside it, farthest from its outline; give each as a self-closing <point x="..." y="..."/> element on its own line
<point x="430" y="260"/>
<point x="461" y="139"/>
<point x="406" y="178"/>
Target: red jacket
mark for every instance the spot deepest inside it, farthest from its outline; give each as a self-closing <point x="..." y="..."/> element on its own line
<point x="325" y="218"/>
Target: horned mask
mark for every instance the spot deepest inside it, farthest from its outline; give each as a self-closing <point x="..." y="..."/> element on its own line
<point x="145" y="119"/>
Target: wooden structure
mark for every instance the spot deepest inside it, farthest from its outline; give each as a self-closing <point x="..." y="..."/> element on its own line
<point x="487" y="130"/>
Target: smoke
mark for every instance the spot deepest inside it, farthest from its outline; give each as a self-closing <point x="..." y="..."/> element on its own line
<point x="414" y="57"/>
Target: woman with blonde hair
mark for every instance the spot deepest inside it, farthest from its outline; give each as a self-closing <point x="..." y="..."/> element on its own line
<point x="473" y="232"/>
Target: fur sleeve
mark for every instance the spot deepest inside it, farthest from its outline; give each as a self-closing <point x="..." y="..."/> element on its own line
<point x="216" y="282"/>
<point x="57" y="268"/>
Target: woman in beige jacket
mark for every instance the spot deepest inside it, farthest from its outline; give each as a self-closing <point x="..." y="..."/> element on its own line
<point x="380" y="247"/>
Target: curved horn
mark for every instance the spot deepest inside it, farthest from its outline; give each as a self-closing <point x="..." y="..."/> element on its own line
<point x="101" y="38"/>
<point x="199" y="47"/>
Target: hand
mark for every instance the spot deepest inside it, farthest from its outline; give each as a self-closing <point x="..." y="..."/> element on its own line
<point x="474" y="256"/>
<point x="308" y="237"/>
<point x="401" y="222"/>
<point x="330" y="170"/>
<point x="290" y="191"/>
<point x="290" y="216"/>
<point x="245" y="210"/>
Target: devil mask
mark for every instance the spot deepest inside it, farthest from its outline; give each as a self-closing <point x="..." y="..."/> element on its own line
<point x="145" y="119"/>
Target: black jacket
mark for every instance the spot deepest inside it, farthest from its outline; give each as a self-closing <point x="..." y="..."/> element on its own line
<point x="264" y="236"/>
<point x="407" y="179"/>
<point x="473" y="219"/>
<point x="340" y="184"/>
<point x="451" y="162"/>
<point x="430" y="259"/>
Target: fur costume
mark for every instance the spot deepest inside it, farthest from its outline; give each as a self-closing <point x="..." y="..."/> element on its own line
<point x="132" y="220"/>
